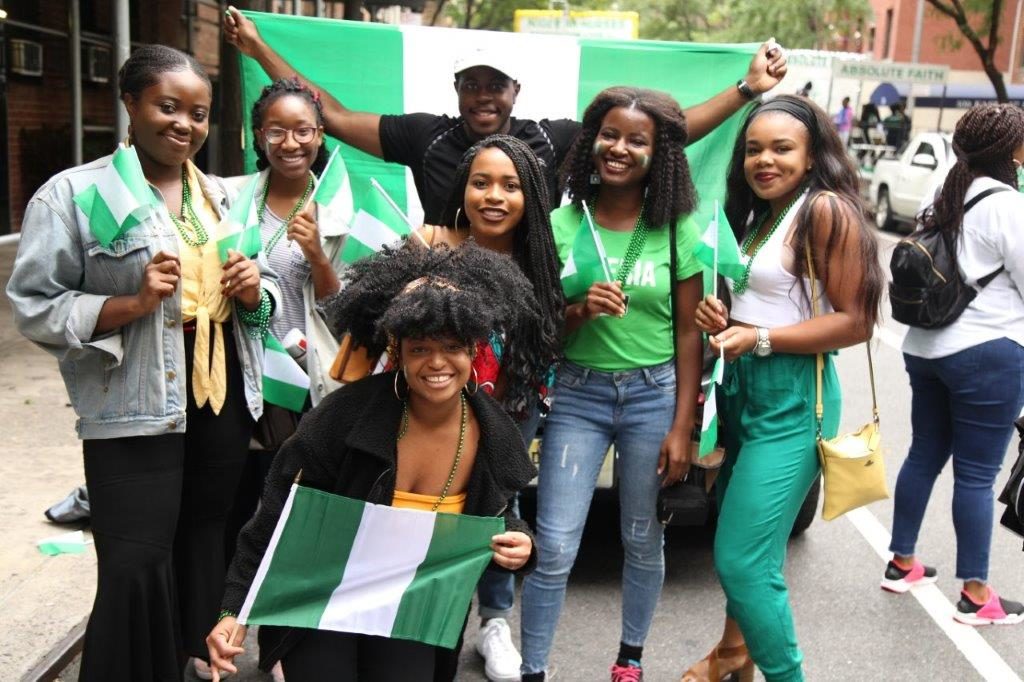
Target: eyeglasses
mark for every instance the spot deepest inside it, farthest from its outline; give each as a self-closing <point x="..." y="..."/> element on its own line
<point x="494" y="87"/>
<point x="300" y="135"/>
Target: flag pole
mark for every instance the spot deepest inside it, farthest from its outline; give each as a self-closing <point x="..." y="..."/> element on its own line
<point x="387" y="198"/>
<point x="598" y="243"/>
<point x="714" y="270"/>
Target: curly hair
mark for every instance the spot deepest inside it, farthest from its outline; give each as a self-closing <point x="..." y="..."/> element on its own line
<point x="671" y="194"/>
<point x="831" y="172"/>
<point x="466" y="293"/>
<point x="530" y="350"/>
<point x="984" y="141"/>
<point x="145" y="64"/>
<point x="283" y="87"/>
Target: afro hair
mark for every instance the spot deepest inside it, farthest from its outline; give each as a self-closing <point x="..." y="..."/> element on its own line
<point x="465" y="293"/>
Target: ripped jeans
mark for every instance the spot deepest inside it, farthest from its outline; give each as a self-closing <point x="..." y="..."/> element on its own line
<point x="591" y="410"/>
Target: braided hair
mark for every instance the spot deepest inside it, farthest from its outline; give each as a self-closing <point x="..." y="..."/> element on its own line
<point x="984" y="141"/>
<point x="671" y="194"/>
<point x="531" y="350"/>
<point x="465" y="293"/>
<point x="284" y="87"/>
<point x="144" y="66"/>
<point x="831" y="173"/>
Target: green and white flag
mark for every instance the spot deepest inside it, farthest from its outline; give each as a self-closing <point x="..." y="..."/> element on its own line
<point x="119" y="200"/>
<point x="334" y="190"/>
<point x="285" y="384"/>
<point x="377" y="223"/>
<point x="240" y="228"/>
<point x="392" y="69"/>
<point x="335" y="563"/>
<point x="709" y="426"/>
<point x="586" y="262"/>
<point x="718" y="250"/>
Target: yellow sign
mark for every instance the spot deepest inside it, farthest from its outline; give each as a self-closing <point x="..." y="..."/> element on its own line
<point x="586" y="24"/>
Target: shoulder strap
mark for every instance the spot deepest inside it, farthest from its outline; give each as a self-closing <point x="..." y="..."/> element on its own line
<point x="984" y="281"/>
<point x="673" y="257"/>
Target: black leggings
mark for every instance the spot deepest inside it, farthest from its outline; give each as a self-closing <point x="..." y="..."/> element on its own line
<point x="344" y="657"/>
<point x="158" y="506"/>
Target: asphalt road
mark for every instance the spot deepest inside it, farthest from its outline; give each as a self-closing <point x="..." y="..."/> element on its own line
<point x="849" y="629"/>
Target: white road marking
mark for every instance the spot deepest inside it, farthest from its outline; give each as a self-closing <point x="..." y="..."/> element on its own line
<point x="972" y="645"/>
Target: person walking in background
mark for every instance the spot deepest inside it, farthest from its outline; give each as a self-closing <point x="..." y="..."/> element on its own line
<point x="160" y="346"/>
<point x="844" y="121"/>
<point x="794" y="203"/>
<point x="897" y="126"/>
<point x="967" y="378"/>
<point x="632" y="361"/>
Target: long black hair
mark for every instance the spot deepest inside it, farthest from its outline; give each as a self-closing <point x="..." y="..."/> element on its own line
<point x="984" y="141"/>
<point x="670" y="191"/>
<point x="832" y="173"/>
<point x="531" y="350"/>
<point x="287" y="87"/>
<point x="145" y="64"/>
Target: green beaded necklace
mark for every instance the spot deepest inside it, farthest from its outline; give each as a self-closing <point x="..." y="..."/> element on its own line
<point x="740" y="285"/>
<point x="189" y="214"/>
<point x="261" y="207"/>
<point x="458" y="450"/>
<point x="637" y="241"/>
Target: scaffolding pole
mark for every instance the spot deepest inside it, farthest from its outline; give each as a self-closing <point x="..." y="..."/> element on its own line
<point x="122" y="49"/>
<point x="75" y="47"/>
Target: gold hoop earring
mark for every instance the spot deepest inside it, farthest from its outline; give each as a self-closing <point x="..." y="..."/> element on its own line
<point x="476" y="384"/>
<point x="400" y="371"/>
<point x="458" y="212"/>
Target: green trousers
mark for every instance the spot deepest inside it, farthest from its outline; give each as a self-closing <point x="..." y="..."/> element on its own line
<point x="767" y="410"/>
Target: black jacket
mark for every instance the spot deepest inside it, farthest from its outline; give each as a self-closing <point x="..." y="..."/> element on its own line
<point x="348" y="446"/>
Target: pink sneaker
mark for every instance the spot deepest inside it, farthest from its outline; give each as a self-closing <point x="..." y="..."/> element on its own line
<point x="631" y="672"/>
<point x="996" y="611"/>
<point x="900" y="580"/>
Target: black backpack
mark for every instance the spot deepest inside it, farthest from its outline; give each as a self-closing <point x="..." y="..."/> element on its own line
<point x="927" y="289"/>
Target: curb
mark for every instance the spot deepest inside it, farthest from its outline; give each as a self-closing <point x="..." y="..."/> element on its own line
<point x="58" y="658"/>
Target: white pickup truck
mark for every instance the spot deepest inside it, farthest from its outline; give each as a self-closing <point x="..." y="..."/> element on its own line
<point x="899" y="184"/>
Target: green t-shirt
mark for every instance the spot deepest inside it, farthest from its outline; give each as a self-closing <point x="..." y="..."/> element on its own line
<point x="644" y="336"/>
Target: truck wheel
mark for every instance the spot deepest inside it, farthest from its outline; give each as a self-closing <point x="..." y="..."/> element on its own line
<point x="809" y="508"/>
<point x="883" y="211"/>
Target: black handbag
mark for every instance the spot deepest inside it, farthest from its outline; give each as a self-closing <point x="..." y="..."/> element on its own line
<point x="1013" y="493"/>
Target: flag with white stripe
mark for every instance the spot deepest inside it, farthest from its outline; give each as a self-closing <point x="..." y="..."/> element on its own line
<point x="239" y="230"/>
<point x="709" y="426"/>
<point x="377" y="223"/>
<point x="285" y="384"/>
<point x="335" y="563"/>
<point x="119" y="200"/>
<point x="718" y="250"/>
<point x="334" y="190"/>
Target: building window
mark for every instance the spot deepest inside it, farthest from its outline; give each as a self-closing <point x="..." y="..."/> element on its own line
<point x="888" y="34"/>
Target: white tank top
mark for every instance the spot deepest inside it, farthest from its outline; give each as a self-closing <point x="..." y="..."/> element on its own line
<point x="773" y="298"/>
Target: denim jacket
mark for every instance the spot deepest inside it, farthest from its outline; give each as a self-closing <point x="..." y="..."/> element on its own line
<point x="129" y="381"/>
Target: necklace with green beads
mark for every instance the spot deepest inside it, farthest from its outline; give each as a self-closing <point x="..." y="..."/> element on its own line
<point x="261" y="208"/>
<point x="198" y="235"/>
<point x="740" y="285"/>
<point x="458" y="450"/>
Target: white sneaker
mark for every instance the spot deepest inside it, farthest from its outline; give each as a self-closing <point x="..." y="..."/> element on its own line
<point x="501" y="659"/>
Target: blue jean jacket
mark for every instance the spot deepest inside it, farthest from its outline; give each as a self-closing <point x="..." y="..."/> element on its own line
<point x="130" y="381"/>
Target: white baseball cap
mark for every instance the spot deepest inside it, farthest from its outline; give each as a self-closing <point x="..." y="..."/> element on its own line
<point x="491" y="58"/>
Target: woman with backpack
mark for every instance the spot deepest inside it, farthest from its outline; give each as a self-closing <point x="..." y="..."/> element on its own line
<point x="967" y="377"/>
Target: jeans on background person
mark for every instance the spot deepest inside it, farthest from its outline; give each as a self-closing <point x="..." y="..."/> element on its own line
<point x="591" y="410"/>
<point x="963" y="406"/>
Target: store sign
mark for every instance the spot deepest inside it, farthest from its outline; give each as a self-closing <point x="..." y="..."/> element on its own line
<point x="892" y="72"/>
<point x="586" y="24"/>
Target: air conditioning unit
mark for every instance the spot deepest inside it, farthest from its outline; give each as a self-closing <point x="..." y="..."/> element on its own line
<point x="26" y="57"/>
<point x="96" y="64"/>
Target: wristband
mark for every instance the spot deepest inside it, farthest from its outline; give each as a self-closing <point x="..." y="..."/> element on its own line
<point x="745" y="90"/>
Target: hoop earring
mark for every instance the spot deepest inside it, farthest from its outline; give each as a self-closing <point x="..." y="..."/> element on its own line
<point x="458" y="212"/>
<point x="397" y="373"/>
<point x="476" y="384"/>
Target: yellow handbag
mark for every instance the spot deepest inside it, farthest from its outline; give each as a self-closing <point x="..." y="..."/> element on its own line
<point x="852" y="465"/>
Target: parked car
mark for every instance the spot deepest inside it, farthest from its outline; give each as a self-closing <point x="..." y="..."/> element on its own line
<point x="901" y="183"/>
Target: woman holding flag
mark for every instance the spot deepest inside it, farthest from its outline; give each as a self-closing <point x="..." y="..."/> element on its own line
<point x="632" y="357"/>
<point x="794" y="204"/>
<point x="421" y="437"/>
<point x="158" y="331"/>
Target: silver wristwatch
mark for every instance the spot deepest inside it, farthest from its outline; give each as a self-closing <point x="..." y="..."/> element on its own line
<point x="763" y="347"/>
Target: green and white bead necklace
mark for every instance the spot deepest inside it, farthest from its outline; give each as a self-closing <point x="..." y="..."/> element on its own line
<point x="740" y="285"/>
<point x="261" y="208"/>
<point x="189" y="214"/>
<point x="458" y="450"/>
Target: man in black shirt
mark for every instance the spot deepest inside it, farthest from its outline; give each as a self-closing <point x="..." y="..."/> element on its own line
<point x="432" y="146"/>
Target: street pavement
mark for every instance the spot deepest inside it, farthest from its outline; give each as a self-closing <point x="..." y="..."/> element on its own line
<point x="849" y="629"/>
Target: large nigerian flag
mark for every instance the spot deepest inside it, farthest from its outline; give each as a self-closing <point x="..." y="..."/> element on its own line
<point x="120" y="198"/>
<point x="334" y="563"/>
<point x="388" y="69"/>
<point x="239" y="230"/>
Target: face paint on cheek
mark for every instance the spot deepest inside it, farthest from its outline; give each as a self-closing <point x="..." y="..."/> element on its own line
<point x="600" y="147"/>
<point x="641" y="159"/>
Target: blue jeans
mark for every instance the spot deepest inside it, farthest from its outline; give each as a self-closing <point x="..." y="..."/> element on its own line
<point x="963" y="405"/>
<point x="496" y="591"/>
<point x="591" y="410"/>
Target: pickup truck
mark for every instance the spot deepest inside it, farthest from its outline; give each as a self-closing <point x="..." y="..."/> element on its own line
<point x="900" y="184"/>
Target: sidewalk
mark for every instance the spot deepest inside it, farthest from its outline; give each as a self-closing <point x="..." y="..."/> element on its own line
<point x="41" y="598"/>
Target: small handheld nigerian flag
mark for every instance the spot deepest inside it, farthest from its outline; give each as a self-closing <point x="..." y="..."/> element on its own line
<point x="709" y="427"/>
<point x="284" y="382"/>
<point x="334" y="191"/>
<point x="377" y="223"/>
<point x="335" y="563"/>
<point x="240" y="228"/>
<point x="586" y="262"/>
<point x="718" y="250"/>
<point x="119" y="200"/>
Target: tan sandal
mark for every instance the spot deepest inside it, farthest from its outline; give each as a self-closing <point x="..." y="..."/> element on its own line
<point x="713" y="662"/>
